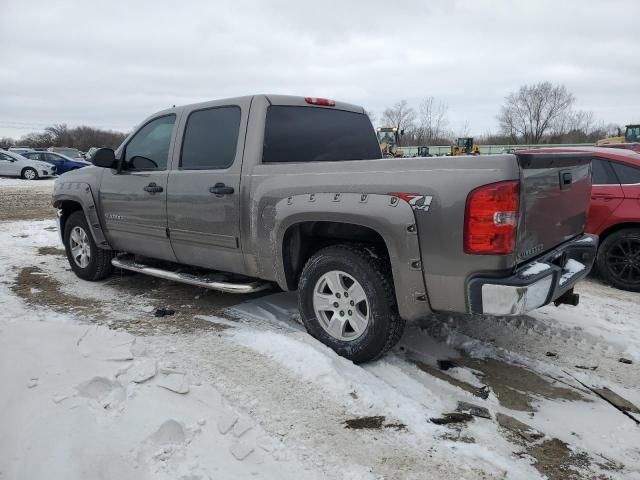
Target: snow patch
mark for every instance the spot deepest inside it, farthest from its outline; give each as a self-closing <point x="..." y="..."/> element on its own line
<point x="572" y="268"/>
<point x="534" y="269"/>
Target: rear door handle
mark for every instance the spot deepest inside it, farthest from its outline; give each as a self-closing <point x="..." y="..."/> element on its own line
<point x="221" y="189"/>
<point x="153" y="188"/>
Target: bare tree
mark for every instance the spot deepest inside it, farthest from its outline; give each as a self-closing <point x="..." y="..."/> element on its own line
<point x="432" y="122"/>
<point x="464" y="130"/>
<point x="60" y="135"/>
<point x="534" y="110"/>
<point x="401" y="116"/>
<point x="82" y="138"/>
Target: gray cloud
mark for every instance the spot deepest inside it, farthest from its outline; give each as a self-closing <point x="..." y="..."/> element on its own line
<point x="111" y="64"/>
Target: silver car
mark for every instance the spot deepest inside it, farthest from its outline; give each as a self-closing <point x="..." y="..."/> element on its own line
<point x="14" y="165"/>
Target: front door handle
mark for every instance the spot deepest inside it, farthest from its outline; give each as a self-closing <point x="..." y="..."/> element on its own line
<point x="153" y="188"/>
<point x="221" y="189"/>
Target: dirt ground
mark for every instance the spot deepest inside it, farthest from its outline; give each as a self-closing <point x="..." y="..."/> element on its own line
<point x="26" y="203"/>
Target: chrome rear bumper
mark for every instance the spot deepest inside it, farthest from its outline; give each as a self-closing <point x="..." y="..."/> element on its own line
<point x="536" y="283"/>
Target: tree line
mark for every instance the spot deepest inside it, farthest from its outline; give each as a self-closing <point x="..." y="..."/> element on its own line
<point x="60" y="135"/>
<point x="538" y="113"/>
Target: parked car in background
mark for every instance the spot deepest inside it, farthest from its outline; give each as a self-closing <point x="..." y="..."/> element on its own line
<point x="62" y="162"/>
<point x="72" y="153"/>
<point x="15" y="165"/>
<point x="20" y="150"/>
<point x="614" y="213"/>
<point x="90" y="153"/>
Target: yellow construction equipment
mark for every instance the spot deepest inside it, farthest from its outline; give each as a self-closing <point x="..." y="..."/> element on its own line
<point x="465" y="146"/>
<point x="389" y="139"/>
<point x="631" y="134"/>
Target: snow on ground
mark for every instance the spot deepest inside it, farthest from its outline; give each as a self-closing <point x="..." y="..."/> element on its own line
<point x="92" y="382"/>
<point x="16" y="182"/>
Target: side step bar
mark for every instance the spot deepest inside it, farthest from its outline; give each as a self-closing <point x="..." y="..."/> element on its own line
<point x="128" y="263"/>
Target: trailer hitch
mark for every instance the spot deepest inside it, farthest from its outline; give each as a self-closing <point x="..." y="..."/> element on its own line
<point x="568" y="298"/>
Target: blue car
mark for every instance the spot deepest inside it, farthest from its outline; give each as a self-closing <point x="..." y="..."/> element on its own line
<point x="63" y="163"/>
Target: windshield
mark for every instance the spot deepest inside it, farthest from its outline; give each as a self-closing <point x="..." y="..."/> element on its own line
<point x="386" y="137"/>
<point x="633" y="134"/>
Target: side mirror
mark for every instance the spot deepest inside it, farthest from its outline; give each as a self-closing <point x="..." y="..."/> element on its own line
<point x="105" y="158"/>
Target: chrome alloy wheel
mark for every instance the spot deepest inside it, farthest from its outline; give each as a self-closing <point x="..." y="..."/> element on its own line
<point x="341" y="305"/>
<point x="80" y="247"/>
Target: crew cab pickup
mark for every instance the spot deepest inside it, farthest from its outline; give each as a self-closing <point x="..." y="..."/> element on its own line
<point x="292" y="192"/>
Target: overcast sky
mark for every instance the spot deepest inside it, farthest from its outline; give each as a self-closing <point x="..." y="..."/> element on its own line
<point x="110" y="64"/>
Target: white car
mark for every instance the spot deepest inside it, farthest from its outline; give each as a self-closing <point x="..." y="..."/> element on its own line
<point x="14" y="165"/>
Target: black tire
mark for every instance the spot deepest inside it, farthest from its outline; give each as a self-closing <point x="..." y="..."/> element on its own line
<point x="99" y="264"/>
<point x="29" y="173"/>
<point x="372" y="271"/>
<point x="618" y="259"/>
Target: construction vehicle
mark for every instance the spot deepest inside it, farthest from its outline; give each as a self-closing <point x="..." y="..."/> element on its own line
<point x="631" y="135"/>
<point x="389" y="140"/>
<point x="465" y="146"/>
<point x="423" y="152"/>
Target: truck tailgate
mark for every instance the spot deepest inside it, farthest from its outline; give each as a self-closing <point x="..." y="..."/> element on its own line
<point x="555" y="189"/>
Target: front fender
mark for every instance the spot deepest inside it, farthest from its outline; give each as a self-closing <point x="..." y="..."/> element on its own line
<point x="390" y="217"/>
<point x="80" y="193"/>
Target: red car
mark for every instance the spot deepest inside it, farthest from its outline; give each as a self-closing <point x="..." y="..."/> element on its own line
<point x="614" y="213"/>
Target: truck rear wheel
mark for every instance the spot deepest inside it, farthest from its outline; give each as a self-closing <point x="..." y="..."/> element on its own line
<point x="618" y="259"/>
<point x="347" y="301"/>
<point x="86" y="260"/>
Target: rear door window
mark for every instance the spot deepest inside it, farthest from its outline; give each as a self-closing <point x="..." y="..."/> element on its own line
<point x="603" y="173"/>
<point x="312" y="134"/>
<point x="210" y="138"/>
<point x="52" y="157"/>
<point x="33" y="155"/>
<point x="627" y="174"/>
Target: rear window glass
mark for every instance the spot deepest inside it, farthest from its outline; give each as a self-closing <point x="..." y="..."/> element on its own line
<point x="626" y="173"/>
<point x="210" y="138"/>
<point x="311" y="134"/>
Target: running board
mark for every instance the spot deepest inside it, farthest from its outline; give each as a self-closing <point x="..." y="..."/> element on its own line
<point x="128" y="263"/>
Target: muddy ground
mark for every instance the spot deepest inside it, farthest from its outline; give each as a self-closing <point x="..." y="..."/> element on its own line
<point x="26" y="203"/>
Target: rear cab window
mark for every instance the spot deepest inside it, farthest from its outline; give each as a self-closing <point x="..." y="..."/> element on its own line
<point x="314" y="134"/>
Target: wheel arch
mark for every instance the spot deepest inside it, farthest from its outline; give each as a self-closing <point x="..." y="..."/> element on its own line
<point x="616" y="228"/>
<point x="77" y="196"/>
<point x="332" y="218"/>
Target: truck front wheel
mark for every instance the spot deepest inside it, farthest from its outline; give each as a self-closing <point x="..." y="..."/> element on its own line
<point x="86" y="260"/>
<point x="346" y="299"/>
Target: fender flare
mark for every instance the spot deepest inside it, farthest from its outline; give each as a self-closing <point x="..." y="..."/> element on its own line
<point x="392" y="218"/>
<point x="80" y="193"/>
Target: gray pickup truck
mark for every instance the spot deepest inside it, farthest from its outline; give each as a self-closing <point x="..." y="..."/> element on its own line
<point x="247" y="193"/>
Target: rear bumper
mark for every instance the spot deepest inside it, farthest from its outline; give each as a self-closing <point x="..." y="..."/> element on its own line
<point x="536" y="283"/>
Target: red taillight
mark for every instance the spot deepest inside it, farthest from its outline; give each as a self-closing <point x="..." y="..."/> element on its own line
<point x="491" y="218"/>
<point x="325" y="102"/>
